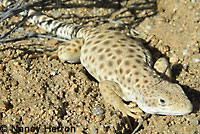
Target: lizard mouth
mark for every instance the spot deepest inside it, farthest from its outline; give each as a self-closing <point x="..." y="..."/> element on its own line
<point x="177" y="111"/>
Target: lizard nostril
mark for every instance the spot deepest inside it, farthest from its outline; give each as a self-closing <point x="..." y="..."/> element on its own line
<point x="183" y="105"/>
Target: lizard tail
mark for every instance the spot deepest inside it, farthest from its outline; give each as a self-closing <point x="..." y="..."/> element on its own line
<point x="57" y="27"/>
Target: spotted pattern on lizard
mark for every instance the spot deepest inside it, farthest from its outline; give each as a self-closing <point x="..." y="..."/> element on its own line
<point x="121" y="65"/>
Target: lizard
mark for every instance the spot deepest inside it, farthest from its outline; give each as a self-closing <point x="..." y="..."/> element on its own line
<point x="122" y="66"/>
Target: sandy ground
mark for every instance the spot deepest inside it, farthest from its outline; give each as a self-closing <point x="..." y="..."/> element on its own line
<point x="39" y="92"/>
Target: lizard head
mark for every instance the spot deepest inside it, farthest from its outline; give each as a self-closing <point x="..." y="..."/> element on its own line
<point x="165" y="98"/>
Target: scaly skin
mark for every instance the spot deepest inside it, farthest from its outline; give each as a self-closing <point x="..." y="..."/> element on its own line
<point x="121" y="65"/>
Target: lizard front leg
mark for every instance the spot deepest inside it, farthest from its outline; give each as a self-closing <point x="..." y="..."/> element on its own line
<point x="162" y="67"/>
<point x="107" y="89"/>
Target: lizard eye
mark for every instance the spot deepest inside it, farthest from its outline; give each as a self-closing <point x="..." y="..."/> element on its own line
<point x="162" y="102"/>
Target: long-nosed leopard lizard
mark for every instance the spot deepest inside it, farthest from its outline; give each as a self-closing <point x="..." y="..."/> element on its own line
<point x="121" y="65"/>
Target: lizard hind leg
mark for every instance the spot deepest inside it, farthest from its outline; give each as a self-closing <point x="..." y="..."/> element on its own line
<point x="70" y="51"/>
<point x="67" y="51"/>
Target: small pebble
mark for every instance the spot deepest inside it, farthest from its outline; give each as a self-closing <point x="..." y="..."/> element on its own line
<point x="196" y="60"/>
<point x="56" y="14"/>
<point x="185" y="52"/>
<point x="97" y="111"/>
<point x="173" y="60"/>
<point x="193" y="1"/>
<point x="53" y="73"/>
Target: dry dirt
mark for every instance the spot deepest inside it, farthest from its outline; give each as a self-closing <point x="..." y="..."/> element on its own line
<point x="40" y="92"/>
